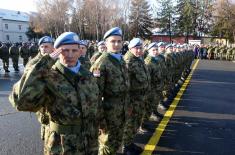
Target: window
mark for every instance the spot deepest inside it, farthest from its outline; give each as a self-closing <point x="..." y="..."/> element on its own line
<point x="8" y="37"/>
<point x="6" y="26"/>
<point x="20" y="38"/>
<point x="20" y="27"/>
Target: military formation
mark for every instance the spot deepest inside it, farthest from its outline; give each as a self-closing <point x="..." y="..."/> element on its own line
<point x="95" y="101"/>
<point x="15" y="51"/>
<point x="215" y="52"/>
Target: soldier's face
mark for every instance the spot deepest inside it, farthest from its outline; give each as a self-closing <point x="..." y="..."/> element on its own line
<point x="170" y="49"/>
<point x="83" y="50"/>
<point x="161" y="49"/>
<point x="154" y="51"/>
<point x="102" y="48"/>
<point x="69" y="55"/>
<point x="137" y="51"/>
<point x="114" y="44"/>
<point x="46" y="48"/>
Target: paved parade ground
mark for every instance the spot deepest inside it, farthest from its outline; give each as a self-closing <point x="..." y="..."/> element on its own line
<point x="203" y="122"/>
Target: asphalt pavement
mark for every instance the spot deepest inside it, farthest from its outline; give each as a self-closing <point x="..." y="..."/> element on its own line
<point x="19" y="131"/>
<point x="204" y="119"/>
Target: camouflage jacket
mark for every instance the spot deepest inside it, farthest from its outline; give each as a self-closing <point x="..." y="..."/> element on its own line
<point x="4" y="52"/>
<point x="138" y="75"/>
<point x="170" y="62"/>
<point x="154" y="68"/>
<point x="163" y="66"/>
<point x="112" y="76"/>
<point x="85" y="62"/>
<point x="69" y="98"/>
<point x="33" y="51"/>
<point x="24" y="52"/>
<point x="14" y="52"/>
<point x="95" y="57"/>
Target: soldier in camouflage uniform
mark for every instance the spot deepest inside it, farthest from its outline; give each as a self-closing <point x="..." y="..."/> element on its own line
<point x="101" y="48"/>
<point x="153" y="63"/>
<point x="14" y="54"/>
<point x="233" y="54"/>
<point x="171" y="67"/>
<point x="91" y="50"/>
<point x="113" y="81"/>
<point x="68" y="92"/>
<point x="165" y="75"/>
<point x="177" y="74"/>
<point x="24" y="53"/>
<point x="83" y="58"/>
<point x="211" y="53"/>
<point x="139" y="88"/>
<point x="33" y="50"/>
<point x="229" y="54"/>
<point x="4" y="55"/>
<point x="45" y="47"/>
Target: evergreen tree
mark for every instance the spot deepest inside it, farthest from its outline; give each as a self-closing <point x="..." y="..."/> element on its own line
<point x="140" y="19"/>
<point x="224" y="20"/>
<point x="186" y="18"/>
<point x="204" y="16"/>
<point x="165" y="16"/>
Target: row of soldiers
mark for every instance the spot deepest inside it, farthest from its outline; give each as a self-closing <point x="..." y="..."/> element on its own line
<point x="15" y="52"/>
<point x="220" y="52"/>
<point x="97" y="106"/>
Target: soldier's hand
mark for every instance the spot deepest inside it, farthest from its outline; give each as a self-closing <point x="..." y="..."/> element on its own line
<point x="46" y="51"/>
<point x="54" y="55"/>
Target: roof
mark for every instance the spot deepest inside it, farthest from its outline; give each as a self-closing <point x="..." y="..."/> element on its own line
<point x="14" y="15"/>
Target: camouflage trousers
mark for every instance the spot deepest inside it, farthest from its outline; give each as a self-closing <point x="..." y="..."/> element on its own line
<point x="15" y="62"/>
<point x="178" y="75"/>
<point x="67" y="144"/>
<point x="114" y="116"/>
<point x="167" y="89"/>
<point x="43" y="119"/>
<point x="134" y="118"/>
<point x="25" y="61"/>
<point x="5" y="63"/>
<point x="152" y="103"/>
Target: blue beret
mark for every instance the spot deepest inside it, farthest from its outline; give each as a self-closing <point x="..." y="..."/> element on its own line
<point x="168" y="46"/>
<point x="45" y="39"/>
<point x="135" y="42"/>
<point x="83" y="42"/>
<point x="161" y="44"/>
<point x="116" y="31"/>
<point x="100" y="43"/>
<point x="66" y="38"/>
<point x="154" y="44"/>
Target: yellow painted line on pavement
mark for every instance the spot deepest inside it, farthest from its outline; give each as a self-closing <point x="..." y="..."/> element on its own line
<point x="150" y="147"/>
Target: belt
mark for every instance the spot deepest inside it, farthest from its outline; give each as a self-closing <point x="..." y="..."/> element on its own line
<point x="65" y="129"/>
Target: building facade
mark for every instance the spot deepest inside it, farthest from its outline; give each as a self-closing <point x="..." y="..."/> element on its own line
<point x="13" y="26"/>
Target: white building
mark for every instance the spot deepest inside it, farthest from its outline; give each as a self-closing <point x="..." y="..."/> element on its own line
<point x="13" y="25"/>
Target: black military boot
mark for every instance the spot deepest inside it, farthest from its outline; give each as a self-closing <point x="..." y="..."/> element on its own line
<point x="159" y="114"/>
<point x="132" y="149"/>
<point x="7" y="71"/>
